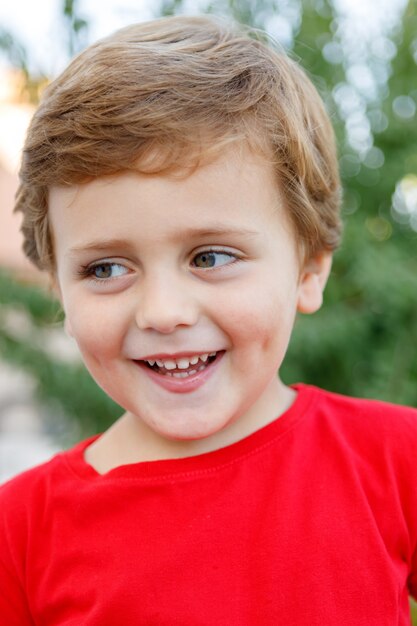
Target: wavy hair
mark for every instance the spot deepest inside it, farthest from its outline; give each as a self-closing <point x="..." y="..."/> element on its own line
<point x="167" y="94"/>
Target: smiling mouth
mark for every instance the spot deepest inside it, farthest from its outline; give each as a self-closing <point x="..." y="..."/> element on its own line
<point x="183" y="367"/>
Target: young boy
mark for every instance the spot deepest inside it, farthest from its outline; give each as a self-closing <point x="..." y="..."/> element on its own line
<point x="179" y="183"/>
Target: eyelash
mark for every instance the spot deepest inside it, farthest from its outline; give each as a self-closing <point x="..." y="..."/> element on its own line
<point x="232" y="255"/>
<point x="87" y="271"/>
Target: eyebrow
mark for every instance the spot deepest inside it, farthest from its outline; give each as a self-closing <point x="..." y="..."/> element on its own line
<point x="103" y="245"/>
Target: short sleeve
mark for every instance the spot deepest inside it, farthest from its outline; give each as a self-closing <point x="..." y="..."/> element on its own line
<point x="412" y="504"/>
<point x="412" y="579"/>
<point x="14" y="610"/>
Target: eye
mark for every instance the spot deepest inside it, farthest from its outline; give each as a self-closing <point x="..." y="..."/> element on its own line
<point x="213" y="258"/>
<point x="105" y="271"/>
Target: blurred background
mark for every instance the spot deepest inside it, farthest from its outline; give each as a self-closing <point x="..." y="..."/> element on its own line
<point x="362" y="56"/>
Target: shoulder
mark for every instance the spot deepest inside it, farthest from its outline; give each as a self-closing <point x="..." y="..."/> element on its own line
<point x="23" y="500"/>
<point x="32" y="489"/>
<point x="32" y="502"/>
<point x="366" y="413"/>
<point x="26" y="488"/>
<point x="370" y="427"/>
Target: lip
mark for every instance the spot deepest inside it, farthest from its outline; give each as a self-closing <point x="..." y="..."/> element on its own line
<point x="182" y="385"/>
<point x="161" y="356"/>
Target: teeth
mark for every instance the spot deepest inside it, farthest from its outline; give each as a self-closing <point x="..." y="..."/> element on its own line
<point x="183" y="374"/>
<point x="169" y="365"/>
<point x="182" y="363"/>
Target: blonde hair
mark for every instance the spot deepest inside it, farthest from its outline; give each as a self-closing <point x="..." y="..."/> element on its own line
<point x="161" y="95"/>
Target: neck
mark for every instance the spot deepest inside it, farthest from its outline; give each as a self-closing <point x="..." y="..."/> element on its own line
<point x="129" y="440"/>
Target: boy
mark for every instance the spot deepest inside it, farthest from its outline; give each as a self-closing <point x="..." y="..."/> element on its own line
<point x="179" y="182"/>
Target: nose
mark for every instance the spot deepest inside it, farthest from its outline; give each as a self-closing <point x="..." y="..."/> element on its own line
<point x="164" y="304"/>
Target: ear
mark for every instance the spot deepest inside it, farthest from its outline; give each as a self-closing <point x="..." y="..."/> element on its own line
<point x="313" y="279"/>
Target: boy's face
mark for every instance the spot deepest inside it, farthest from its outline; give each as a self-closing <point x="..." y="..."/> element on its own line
<point x="168" y="269"/>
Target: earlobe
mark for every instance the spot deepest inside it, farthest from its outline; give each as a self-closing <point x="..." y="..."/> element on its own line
<point x="312" y="283"/>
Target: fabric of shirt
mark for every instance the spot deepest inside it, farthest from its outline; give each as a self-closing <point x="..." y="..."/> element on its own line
<point x="311" y="520"/>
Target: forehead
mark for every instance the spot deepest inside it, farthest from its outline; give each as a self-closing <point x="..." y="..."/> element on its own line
<point x="235" y="191"/>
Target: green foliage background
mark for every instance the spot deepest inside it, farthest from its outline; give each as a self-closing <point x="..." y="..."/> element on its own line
<point x="363" y="341"/>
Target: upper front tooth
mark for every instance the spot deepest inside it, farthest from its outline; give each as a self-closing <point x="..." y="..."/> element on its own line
<point x="169" y="365"/>
<point x="182" y="364"/>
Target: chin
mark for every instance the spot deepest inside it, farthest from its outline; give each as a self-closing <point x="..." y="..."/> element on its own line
<point x="190" y="432"/>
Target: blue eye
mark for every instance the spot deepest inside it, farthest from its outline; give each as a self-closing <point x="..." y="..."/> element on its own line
<point x="212" y="258"/>
<point x="103" y="271"/>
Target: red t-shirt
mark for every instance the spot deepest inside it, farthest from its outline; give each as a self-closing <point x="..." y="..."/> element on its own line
<point x="312" y="520"/>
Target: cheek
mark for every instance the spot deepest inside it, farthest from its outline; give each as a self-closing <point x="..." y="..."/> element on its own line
<point x="96" y="331"/>
<point x="261" y="318"/>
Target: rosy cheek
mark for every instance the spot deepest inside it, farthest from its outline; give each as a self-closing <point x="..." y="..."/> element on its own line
<point x="266" y="325"/>
<point x="252" y="334"/>
<point x="94" y="333"/>
<point x="252" y="313"/>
